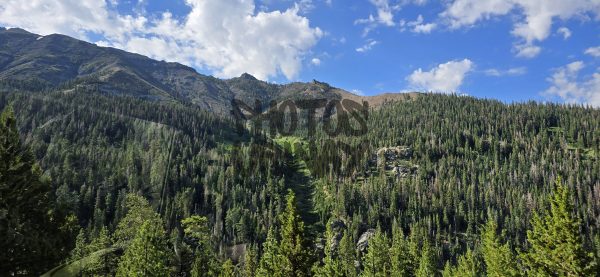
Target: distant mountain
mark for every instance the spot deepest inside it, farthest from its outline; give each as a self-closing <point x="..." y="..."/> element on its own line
<point x="58" y="60"/>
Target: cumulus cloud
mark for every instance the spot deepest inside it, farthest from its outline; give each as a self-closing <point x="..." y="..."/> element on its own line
<point x="228" y="37"/>
<point x="535" y="24"/>
<point x="593" y="51"/>
<point x="567" y="84"/>
<point x="316" y="61"/>
<point x="368" y="46"/>
<point x="445" y="78"/>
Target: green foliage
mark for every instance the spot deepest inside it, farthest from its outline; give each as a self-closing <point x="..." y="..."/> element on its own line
<point x="227" y="270"/>
<point x="138" y="212"/>
<point x="555" y="244"/>
<point x="250" y="262"/>
<point x="196" y="233"/>
<point x="400" y="254"/>
<point x="293" y="244"/>
<point x="146" y="254"/>
<point x="272" y="261"/>
<point x="332" y="264"/>
<point x="468" y="266"/>
<point x="499" y="259"/>
<point x="347" y="255"/>
<point x="34" y="233"/>
<point x="377" y="260"/>
<point x="427" y="264"/>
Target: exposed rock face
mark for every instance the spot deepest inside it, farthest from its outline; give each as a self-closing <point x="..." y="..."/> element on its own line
<point x="363" y="241"/>
<point x="388" y="155"/>
<point x="337" y="227"/>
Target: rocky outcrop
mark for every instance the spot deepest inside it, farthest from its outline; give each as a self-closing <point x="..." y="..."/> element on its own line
<point x="386" y="156"/>
<point x="363" y="241"/>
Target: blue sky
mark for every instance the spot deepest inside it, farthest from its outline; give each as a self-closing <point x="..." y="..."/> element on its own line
<point x="511" y="50"/>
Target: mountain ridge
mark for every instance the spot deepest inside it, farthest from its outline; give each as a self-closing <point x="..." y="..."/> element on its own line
<point x="56" y="59"/>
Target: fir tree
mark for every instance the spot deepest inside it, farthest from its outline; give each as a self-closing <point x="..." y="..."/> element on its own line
<point x="146" y="254"/>
<point x="272" y="261"/>
<point x="427" y="266"/>
<point x="377" y="260"/>
<point x="292" y="244"/>
<point x="332" y="265"/>
<point x="227" y="269"/>
<point x="555" y="243"/>
<point x="347" y="255"/>
<point x="499" y="259"/>
<point x="399" y="254"/>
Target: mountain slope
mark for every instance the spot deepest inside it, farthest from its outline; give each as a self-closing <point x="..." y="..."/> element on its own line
<point x="56" y="60"/>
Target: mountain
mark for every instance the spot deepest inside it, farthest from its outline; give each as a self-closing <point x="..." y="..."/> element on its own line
<point x="58" y="60"/>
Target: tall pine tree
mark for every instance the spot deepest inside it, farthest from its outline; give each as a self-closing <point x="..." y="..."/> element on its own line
<point x="555" y="243"/>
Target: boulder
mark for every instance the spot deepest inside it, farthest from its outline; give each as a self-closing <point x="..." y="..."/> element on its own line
<point x="363" y="241"/>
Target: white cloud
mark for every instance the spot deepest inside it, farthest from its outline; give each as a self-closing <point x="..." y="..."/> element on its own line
<point x="445" y="78"/>
<point x="368" y="46"/>
<point x="316" y="61"/>
<point x="536" y="22"/>
<point x="228" y="37"/>
<point x="384" y="16"/>
<point x="424" y="28"/>
<point x="515" y="71"/>
<point x="565" y="32"/>
<point x="593" y="51"/>
<point x="527" y="50"/>
<point x="566" y="84"/>
<point x="419" y="27"/>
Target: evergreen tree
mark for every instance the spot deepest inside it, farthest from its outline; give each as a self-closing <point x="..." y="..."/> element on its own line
<point x="138" y="212"/>
<point x="272" y="262"/>
<point x="427" y="265"/>
<point x="399" y="254"/>
<point x="250" y="262"/>
<point x="555" y="244"/>
<point x="146" y="254"/>
<point x="347" y="255"/>
<point x="499" y="259"/>
<point x="468" y="266"/>
<point x="332" y="265"/>
<point x="292" y="244"/>
<point x="377" y="260"/>
<point x="196" y="233"/>
<point x="34" y="234"/>
<point x="227" y="270"/>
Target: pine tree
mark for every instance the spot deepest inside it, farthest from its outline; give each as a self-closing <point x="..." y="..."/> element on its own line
<point x="34" y="234"/>
<point x="227" y="270"/>
<point x="272" y="261"/>
<point x="146" y="254"/>
<point x="347" y="255"/>
<point x="138" y="212"/>
<point x="250" y="263"/>
<point x="555" y="244"/>
<point x="332" y="266"/>
<point x="499" y="259"/>
<point x="377" y="260"/>
<point x="399" y="254"/>
<point x="196" y="234"/>
<point x="468" y="266"/>
<point x="427" y="265"/>
<point x="292" y="244"/>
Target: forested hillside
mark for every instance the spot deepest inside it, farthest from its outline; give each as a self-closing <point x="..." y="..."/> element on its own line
<point x="438" y="185"/>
